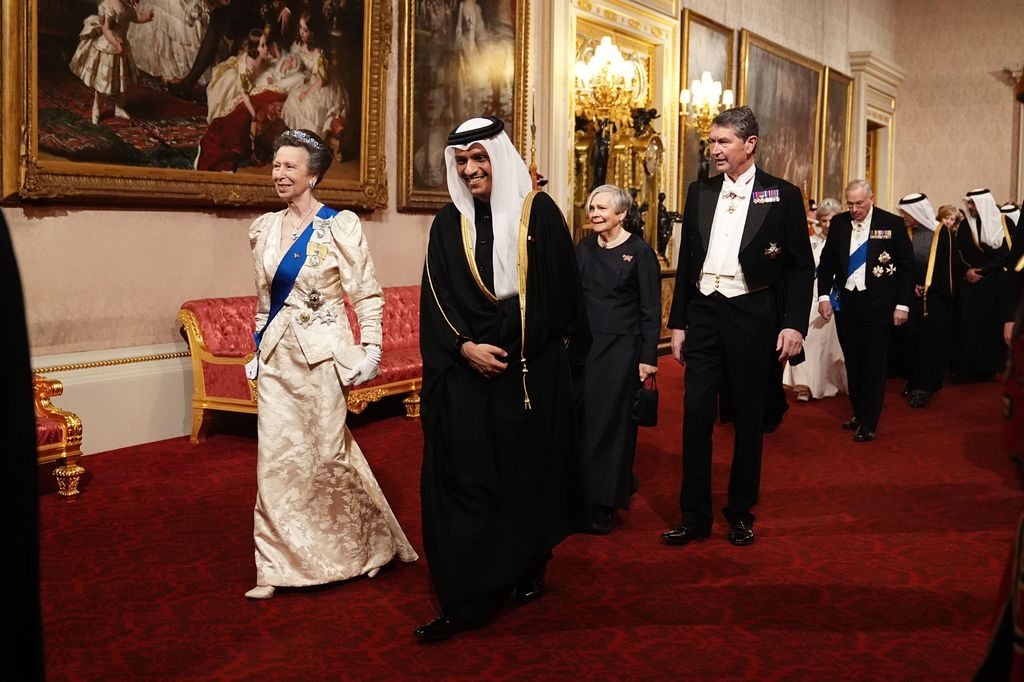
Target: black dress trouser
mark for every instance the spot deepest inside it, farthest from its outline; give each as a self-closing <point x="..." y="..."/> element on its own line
<point x="864" y="326"/>
<point x="728" y="340"/>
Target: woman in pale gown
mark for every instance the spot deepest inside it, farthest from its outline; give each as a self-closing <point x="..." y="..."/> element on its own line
<point x="167" y="46"/>
<point x="319" y="99"/>
<point x="320" y="515"/>
<point x="823" y="373"/>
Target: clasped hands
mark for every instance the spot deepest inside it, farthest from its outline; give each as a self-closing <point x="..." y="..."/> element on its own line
<point x="368" y="368"/>
<point x="487" y="360"/>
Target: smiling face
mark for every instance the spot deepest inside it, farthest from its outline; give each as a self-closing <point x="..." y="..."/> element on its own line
<point x="602" y="215"/>
<point x="474" y="167"/>
<point x="291" y="173"/>
<point x="730" y="153"/>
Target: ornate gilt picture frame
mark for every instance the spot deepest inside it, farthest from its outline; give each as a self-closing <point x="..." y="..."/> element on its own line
<point x="784" y="90"/>
<point x="707" y="46"/>
<point x="835" y="139"/>
<point x="143" y="142"/>
<point x="459" y="59"/>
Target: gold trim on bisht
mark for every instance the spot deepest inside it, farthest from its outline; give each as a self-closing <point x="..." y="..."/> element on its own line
<point x="468" y="247"/>
<point x="430" y="281"/>
<point x="524" y="231"/>
<point x="931" y="268"/>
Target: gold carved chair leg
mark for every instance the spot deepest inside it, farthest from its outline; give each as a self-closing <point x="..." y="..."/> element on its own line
<point x="67" y="476"/>
<point x="412" y="405"/>
<point x="200" y="425"/>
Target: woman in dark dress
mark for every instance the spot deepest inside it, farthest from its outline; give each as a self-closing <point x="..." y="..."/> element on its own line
<point x="622" y="287"/>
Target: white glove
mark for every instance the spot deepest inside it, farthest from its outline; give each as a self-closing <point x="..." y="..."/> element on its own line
<point x="252" y="368"/>
<point x="368" y="368"/>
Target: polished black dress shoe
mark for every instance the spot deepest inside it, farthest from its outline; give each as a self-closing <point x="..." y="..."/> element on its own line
<point x="918" y="399"/>
<point x="741" y="533"/>
<point x="864" y="435"/>
<point x="528" y="590"/>
<point x="851" y="425"/>
<point x="684" y="533"/>
<point x="441" y="628"/>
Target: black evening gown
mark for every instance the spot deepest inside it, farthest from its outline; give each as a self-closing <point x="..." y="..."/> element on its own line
<point x="622" y="289"/>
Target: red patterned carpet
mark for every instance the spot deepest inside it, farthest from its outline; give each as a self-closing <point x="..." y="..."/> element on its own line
<point x="873" y="562"/>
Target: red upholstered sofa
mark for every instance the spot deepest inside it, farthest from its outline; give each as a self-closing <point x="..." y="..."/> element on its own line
<point x="219" y="333"/>
<point x="58" y="435"/>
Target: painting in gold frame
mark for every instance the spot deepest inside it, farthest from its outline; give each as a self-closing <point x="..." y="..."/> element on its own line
<point x="784" y="90"/>
<point x="835" y="138"/>
<point x="459" y="59"/>
<point x="32" y="171"/>
<point x="707" y="46"/>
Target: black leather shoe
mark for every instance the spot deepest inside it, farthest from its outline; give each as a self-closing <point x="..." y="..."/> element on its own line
<point x="602" y="519"/>
<point x="918" y="399"/>
<point x="863" y="435"/>
<point x="441" y="628"/>
<point x="528" y="590"/>
<point x="741" y="533"/>
<point x="684" y="534"/>
<point x="851" y="425"/>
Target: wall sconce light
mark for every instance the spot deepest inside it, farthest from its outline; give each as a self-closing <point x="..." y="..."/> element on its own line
<point x="698" y="106"/>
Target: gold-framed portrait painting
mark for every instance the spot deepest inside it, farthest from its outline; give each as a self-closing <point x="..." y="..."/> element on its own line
<point x="459" y="59"/>
<point x="707" y="46"/>
<point x="784" y="90"/>
<point x="835" y="138"/>
<point x="179" y="101"/>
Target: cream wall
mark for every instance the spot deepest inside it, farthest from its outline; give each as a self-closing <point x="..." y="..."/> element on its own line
<point x="956" y="116"/>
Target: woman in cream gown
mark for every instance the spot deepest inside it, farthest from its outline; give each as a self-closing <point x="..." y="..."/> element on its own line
<point x="823" y="373"/>
<point x="320" y="515"/>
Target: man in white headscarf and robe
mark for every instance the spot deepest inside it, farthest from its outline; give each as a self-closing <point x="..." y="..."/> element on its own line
<point x="926" y="335"/>
<point x="502" y="323"/>
<point x="984" y="243"/>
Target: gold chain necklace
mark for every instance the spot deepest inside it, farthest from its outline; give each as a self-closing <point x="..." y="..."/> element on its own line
<point x="301" y="223"/>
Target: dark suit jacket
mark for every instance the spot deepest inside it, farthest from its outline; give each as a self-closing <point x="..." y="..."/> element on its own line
<point x="775" y="250"/>
<point x="888" y="245"/>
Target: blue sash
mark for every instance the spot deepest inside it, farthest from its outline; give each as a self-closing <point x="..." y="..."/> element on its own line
<point x="288" y="270"/>
<point x="857" y="259"/>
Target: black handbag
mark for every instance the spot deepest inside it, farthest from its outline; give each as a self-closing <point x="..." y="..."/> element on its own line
<point x="645" y="403"/>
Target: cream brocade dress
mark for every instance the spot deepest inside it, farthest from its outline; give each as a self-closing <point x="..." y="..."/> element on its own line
<point x="823" y="371"/>
<point x="320" y="515"/>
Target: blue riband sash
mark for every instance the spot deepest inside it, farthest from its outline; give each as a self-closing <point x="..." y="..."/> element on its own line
<point x="288" y="270"/>
<point x="857" y="259"/>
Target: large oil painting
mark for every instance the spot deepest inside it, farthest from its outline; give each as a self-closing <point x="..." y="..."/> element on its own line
<point x="835" y="141"/>
<point x="707" y="46"/>
<point x="460" y="59"/>
<point x="166" y="101"/>
<point x="784" y="90"/>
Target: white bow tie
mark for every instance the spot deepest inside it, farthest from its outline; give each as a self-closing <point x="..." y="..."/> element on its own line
<point x="732" y="189"/>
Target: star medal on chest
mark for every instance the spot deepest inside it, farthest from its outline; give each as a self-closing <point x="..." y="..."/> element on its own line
<point x="773" y="251"/>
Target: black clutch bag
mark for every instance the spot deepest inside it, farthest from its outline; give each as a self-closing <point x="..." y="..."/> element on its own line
<point x="645" y="403"/>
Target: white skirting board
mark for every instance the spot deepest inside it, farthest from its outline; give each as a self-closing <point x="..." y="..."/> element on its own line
<point x="125" y="404"/>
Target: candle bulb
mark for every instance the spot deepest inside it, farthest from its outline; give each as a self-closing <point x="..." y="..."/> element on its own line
<point x="727" y="100"/>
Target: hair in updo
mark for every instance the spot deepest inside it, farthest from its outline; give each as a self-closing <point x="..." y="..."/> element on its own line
<point x="320" y="155"/>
